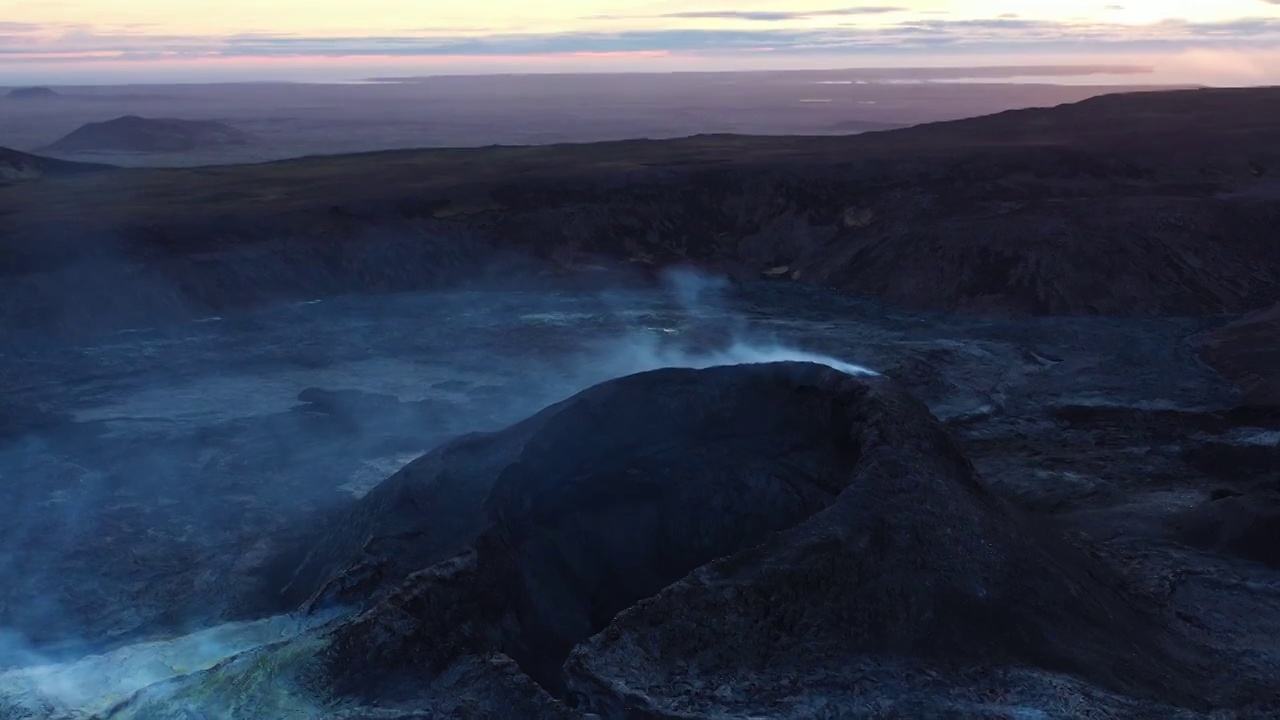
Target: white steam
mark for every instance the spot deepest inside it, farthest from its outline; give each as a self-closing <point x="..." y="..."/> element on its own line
<point x="639" y="353"/>
<point x="700" y="300"/>
<point x="694" y="329"/>
<point x="90" y="686"/>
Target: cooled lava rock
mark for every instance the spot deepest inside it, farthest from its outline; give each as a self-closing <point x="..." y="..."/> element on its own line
<point x="696" y="542"/>
<point x="1247" y="526"/>
<point x="1247" y="352"/>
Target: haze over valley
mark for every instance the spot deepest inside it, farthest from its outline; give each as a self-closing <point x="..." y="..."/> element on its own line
<point x="356" y="367"/>
<point x="296" y="119"/>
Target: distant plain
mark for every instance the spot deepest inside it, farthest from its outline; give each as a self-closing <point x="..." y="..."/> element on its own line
<point x="295" y="119"/>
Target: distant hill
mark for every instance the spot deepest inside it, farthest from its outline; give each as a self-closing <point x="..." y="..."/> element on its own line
<point x="133" y="134"/>
<point x="18" y="167"/>
<point x="1154" y="203"/>
<point x="860" y="126"/>
<point x="32" y="93"/>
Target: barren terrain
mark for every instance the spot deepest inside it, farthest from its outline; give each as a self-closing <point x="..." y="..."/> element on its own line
<point x="983" y="425"/>
<point x="297" y="119"/>
<point x="1145" y="203"/>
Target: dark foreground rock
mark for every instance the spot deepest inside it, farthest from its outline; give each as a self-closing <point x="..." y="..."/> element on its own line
<point x="1244" y="525"/>
<point x="1247" y="352"/>
<point x="769" y="540"/>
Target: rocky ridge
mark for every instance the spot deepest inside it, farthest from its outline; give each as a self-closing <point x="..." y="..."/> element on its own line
<point x="1139" y="204"/>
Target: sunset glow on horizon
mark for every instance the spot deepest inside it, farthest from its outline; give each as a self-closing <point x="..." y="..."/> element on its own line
<point x="140" y="40"/>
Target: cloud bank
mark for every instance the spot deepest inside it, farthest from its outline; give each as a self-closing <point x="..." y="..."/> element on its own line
<point x="19" y="41"/>
<point x="764" y="15"/>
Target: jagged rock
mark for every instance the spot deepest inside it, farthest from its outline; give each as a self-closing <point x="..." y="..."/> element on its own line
<point x="689" y="539"/>
<point x="1247" y="526"/>
<point x="1247" y="352"/>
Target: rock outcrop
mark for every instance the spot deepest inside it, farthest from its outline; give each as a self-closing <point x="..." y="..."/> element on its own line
<point x="696" y="543"/>
<point x="133" y="134"/>
<point x="1247" y="352"/>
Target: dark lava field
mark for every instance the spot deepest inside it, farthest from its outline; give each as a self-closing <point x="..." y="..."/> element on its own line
<point x="157" y="504"/>
<point x="969" y="420"/>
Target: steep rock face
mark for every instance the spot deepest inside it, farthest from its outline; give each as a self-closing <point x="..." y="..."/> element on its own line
<point x="1244" y="525"/>
<point x="1247" y="352"/>
<point x="734" y="528"/>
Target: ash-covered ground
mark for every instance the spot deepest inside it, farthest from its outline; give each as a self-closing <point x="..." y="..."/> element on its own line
<point x="150" y="478"/>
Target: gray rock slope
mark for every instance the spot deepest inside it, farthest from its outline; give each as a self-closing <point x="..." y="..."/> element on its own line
<point x="750" y="541"/>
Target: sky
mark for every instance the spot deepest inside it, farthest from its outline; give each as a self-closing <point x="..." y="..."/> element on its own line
<point x="88" y="41"/>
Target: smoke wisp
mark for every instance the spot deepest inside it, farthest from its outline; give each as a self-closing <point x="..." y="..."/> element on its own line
<point x="207" y="426"/>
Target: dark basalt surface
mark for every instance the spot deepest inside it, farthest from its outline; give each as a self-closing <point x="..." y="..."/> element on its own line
<point x="1243" y="525"/>
<point x="1248" y="352"/>
<point x="165" y="481"/>
<point x="768" y="520"/>
<point x="1082" y="523"/>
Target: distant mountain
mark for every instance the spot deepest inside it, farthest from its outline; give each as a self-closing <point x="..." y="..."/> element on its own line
<point x="32" y="93"/>
<point x="18" y="166"/>
<point x="135" y="134"/>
